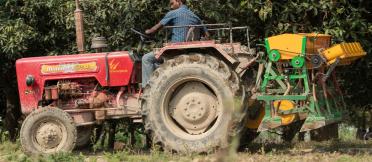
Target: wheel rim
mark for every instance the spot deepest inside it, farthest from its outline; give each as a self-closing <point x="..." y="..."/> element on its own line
<point x="191" y="108"/>
<point x="48" y="135"/>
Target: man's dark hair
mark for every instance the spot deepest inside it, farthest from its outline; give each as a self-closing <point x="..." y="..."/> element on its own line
<point x="184" y="1"/>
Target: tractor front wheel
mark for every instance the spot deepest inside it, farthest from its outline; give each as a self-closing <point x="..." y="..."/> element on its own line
<point x="48" y="131"/>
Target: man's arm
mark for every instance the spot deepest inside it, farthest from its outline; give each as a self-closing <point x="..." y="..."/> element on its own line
<point x="154" y="28"/>
<point x="206" y="33"/>
<point x="168" y="18"/>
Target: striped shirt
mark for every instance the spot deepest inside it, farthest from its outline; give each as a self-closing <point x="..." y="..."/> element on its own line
<point x="180" y="17"/>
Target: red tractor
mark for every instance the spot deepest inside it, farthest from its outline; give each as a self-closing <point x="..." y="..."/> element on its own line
<point x="203" y="93"/>
<point x="190" y="104"/>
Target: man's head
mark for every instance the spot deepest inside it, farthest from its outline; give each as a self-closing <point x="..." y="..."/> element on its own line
<point x="175" y="4"/>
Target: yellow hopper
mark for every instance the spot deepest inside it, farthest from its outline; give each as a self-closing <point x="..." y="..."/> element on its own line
<point x="346" y="52"/>
<point x="288" y="46"/>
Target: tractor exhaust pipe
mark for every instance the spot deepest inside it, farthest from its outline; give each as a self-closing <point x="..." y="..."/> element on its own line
<point x="79" y="24"/>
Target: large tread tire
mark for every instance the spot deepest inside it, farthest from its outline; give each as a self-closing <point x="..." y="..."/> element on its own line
<point x="40" y="117"/>
<point x="223" y="81"/>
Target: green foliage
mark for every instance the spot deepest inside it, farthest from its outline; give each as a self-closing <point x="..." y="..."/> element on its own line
<point x="346" y="149"/>
<point x="12" y="152"/>
<point x="49" y="24"/>
<point x="14" y="38"/>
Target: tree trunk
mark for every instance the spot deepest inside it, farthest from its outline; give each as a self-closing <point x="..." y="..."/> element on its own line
<point x="12" y="110"/>
<point x="11" y="116"/>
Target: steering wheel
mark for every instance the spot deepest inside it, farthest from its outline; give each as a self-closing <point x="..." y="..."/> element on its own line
<point x="142" y="35"/>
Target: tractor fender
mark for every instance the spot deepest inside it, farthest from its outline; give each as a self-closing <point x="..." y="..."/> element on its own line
<point x="174" y="49"/>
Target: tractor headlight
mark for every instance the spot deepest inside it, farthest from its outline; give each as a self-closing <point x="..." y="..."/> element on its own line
<point x="30" y="80"/>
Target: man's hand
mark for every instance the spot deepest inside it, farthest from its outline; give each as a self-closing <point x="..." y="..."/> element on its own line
<point x="154" y="29"/>
<point x="148" y="31"/>
<point x="207" y="35"/>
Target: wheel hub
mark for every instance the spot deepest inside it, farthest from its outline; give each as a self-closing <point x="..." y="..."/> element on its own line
<point x="194" y="107"/>
<point x="49" y="135"/>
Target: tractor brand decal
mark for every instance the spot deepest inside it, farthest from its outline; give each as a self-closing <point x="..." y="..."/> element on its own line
<point x="69" y="68"/>
<point x="27" y="92"/>
<point x="114" y="67"/>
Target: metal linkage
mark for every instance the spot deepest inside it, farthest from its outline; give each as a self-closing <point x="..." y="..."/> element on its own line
<point x="214" y="27"/>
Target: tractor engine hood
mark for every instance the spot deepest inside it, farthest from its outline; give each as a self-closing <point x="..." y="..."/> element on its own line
<point x="109" y="69"/>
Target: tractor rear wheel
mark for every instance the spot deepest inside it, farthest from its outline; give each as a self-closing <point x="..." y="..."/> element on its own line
<point x="191" y="104"/>
<point x="48" y="131"/>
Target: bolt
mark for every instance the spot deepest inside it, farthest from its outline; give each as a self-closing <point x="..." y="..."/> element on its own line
<point x="199" y="102"/>
<point x="200" y="114"/>
<point x="188" y="115"/>
<point x="194" y="117"/>
<point x="201" y="108"/>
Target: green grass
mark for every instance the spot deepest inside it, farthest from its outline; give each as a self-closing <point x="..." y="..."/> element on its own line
<point x="266" y="148"/>
<point x="303" y="151"/>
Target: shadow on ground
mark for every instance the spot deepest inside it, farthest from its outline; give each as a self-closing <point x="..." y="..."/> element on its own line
<point x="345" y="147"/>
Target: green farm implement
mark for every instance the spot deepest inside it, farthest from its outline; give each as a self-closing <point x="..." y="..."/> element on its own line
<point x="296" y="81"/>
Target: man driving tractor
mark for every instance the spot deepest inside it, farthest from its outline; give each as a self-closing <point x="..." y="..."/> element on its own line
<point x="179" y="16"/>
